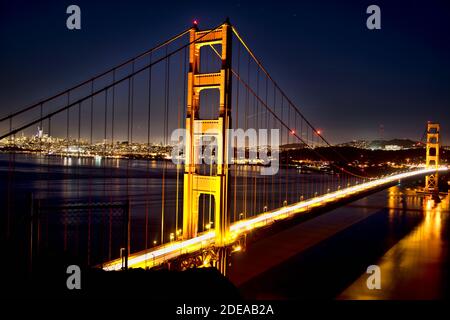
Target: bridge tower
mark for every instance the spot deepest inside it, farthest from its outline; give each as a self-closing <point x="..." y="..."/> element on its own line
<point x="432" y="159"/>
<point x="196" y="184"/>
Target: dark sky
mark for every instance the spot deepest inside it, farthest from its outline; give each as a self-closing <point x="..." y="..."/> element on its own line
<point x="346" y="79"/>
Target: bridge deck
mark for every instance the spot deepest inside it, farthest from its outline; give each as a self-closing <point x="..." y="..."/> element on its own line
<point x="161" y="254"/>
<point x="269" y="252"/>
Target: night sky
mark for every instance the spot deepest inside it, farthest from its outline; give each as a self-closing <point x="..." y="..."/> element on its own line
<point x="346" y="79"/>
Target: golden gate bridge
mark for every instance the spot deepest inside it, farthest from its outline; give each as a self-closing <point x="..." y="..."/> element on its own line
<point x="207" y="81"/>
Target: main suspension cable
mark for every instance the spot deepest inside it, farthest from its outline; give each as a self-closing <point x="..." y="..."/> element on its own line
<point x="258" y="62"/>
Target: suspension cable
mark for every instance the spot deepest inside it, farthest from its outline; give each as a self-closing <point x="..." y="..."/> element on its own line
<point x="289" y="104"/>
<point x="249" y="89"/>
<point x="258" y="62"/>
<point x="14" y="131"/>
<point x="143" y="54"/>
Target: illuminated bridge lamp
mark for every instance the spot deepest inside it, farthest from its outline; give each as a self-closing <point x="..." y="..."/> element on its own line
<point x="237" y="248"/>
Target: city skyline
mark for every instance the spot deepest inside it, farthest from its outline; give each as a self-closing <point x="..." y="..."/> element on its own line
<point x="379" y="143"/>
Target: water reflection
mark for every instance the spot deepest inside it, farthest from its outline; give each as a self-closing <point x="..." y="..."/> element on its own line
<point x="414" y="268"/>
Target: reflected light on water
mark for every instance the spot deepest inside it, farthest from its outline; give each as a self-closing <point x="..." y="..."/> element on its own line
<point x="413" y="267"/>
<point x="67" y="161"/>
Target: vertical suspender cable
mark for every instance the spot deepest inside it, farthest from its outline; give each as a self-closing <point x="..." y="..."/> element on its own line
<point x="166" y="111"/>
<point x="236" y="127"/>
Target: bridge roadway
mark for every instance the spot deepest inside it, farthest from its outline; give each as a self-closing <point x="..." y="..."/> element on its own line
<point x="161" y="254"/>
